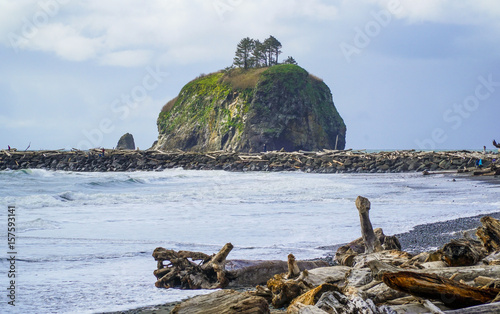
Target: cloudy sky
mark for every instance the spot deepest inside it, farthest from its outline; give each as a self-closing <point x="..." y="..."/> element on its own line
<point x="404" y="74"/>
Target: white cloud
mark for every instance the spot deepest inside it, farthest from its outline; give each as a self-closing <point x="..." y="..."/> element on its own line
<point x="66" y="42"/>
<point x="121" y="32"/>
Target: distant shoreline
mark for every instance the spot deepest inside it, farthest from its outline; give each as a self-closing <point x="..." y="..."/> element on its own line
<point x="326" y="161"/>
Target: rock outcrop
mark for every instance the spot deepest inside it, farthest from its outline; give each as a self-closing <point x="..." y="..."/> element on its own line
<point x="126" y="142"/>
<point x="280" y="107"/>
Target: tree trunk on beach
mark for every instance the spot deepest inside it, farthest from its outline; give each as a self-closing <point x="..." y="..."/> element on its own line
<point x="431" y="286"/>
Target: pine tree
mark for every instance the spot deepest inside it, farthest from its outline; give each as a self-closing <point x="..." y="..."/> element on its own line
<point x="244" y="52"/>
<point x="272" y="47"/>
<point x="259" y="55"/>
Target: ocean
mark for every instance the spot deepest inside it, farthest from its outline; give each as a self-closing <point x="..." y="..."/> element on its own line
<point x="83" y="241"/>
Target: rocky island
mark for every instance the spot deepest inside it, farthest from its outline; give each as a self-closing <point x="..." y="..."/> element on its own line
<point x="252" y="110"/>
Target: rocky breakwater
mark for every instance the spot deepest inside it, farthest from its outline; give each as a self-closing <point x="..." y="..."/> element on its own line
<point x="326" y="161"/>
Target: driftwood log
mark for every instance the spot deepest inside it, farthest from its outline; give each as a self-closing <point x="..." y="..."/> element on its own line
<point x="223" y="302"/>
<point x="478" y="309"/>
<point x="370" y="241"/>
<point x="372" y="244"/>
<point x="463" y="252"/>
<point x="346" y="254"/>
<point x="196" y="270"/>
<point x="431" y="286"/>
<point x="184" y="273"/>
<point x="489" y="233"/>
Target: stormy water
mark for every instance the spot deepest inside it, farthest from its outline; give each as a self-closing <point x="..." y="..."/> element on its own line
<point x="83" y="241"/>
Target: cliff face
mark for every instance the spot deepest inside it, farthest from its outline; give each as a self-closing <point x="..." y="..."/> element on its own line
<point x="279" y="107"/>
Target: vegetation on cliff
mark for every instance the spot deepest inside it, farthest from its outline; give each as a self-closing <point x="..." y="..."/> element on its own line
<point x="276" y="107"/>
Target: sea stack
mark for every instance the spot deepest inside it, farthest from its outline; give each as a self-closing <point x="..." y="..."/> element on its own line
<point x="252" y="110"/>
<point x="126" y="142"/>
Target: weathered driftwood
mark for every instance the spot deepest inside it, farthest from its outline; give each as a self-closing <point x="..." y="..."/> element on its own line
<point x="312" y="296"/>
<point x="431" y="307"/>
<point x="318" y="276"/>
<point x="478" y="309"/>
<point x="223" y="302"/>
<point x="284" y="289"/>
<point x="186" y="274"/>
<point x="466" y="274"/>
<point x="293" y="268"/>
<point x="489" y="171"/>
<point x="216" y="272"/>
<point x="382" y="293"/>
<point x="246" y="273"/>
<point x="371" y="242"/>
<point x="431" y="286"/>
<point x="336" y="302"/>
<point x="489" y="233"/>
<point x="463" y="252"/>
<point x="492" y="259"/>
<point x="424" y="257"/>
<point x="393" y="257"/>
<point x="346" y="254"/>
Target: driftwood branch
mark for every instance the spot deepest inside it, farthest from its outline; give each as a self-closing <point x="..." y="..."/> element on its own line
<point x="431" y="286"/>
<point x="183" y="273"/>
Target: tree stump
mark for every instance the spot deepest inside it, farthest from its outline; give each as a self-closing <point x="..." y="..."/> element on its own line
<point x="372" y="243"/>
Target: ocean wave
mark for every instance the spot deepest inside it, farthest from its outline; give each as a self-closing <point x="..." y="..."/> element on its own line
<point x="83" y="257"/>
<point x="37" y="224"/>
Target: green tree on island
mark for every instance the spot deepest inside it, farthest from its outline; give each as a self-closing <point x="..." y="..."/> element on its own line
<point x="259" y="57"/>
<point x="251" y="53"/>
<point x="243" y="53"/>
<point x="272" y="46"/>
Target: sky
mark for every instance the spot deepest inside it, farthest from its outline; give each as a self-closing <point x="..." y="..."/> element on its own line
<point x="404" y="74"/>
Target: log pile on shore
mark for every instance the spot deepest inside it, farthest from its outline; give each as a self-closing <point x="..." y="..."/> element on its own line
<point x="326" y="161"/>
<point x="372" y="275"/>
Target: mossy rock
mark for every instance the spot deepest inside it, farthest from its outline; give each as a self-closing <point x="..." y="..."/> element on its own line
<point x="282" y="106"/>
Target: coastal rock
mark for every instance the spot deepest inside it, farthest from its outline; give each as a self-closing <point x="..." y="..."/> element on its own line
<point x="254" y="110"/>
<point x="126" y="142"/>
<point x="223" y="302"/>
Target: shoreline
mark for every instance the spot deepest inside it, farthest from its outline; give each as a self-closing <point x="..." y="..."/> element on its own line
<point x="420" y="238"/>
<point x="326" y="161"/>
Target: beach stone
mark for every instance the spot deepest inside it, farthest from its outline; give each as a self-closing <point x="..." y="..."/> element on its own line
<point x="126" y="142"/>
<point x="223" y="302"/>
